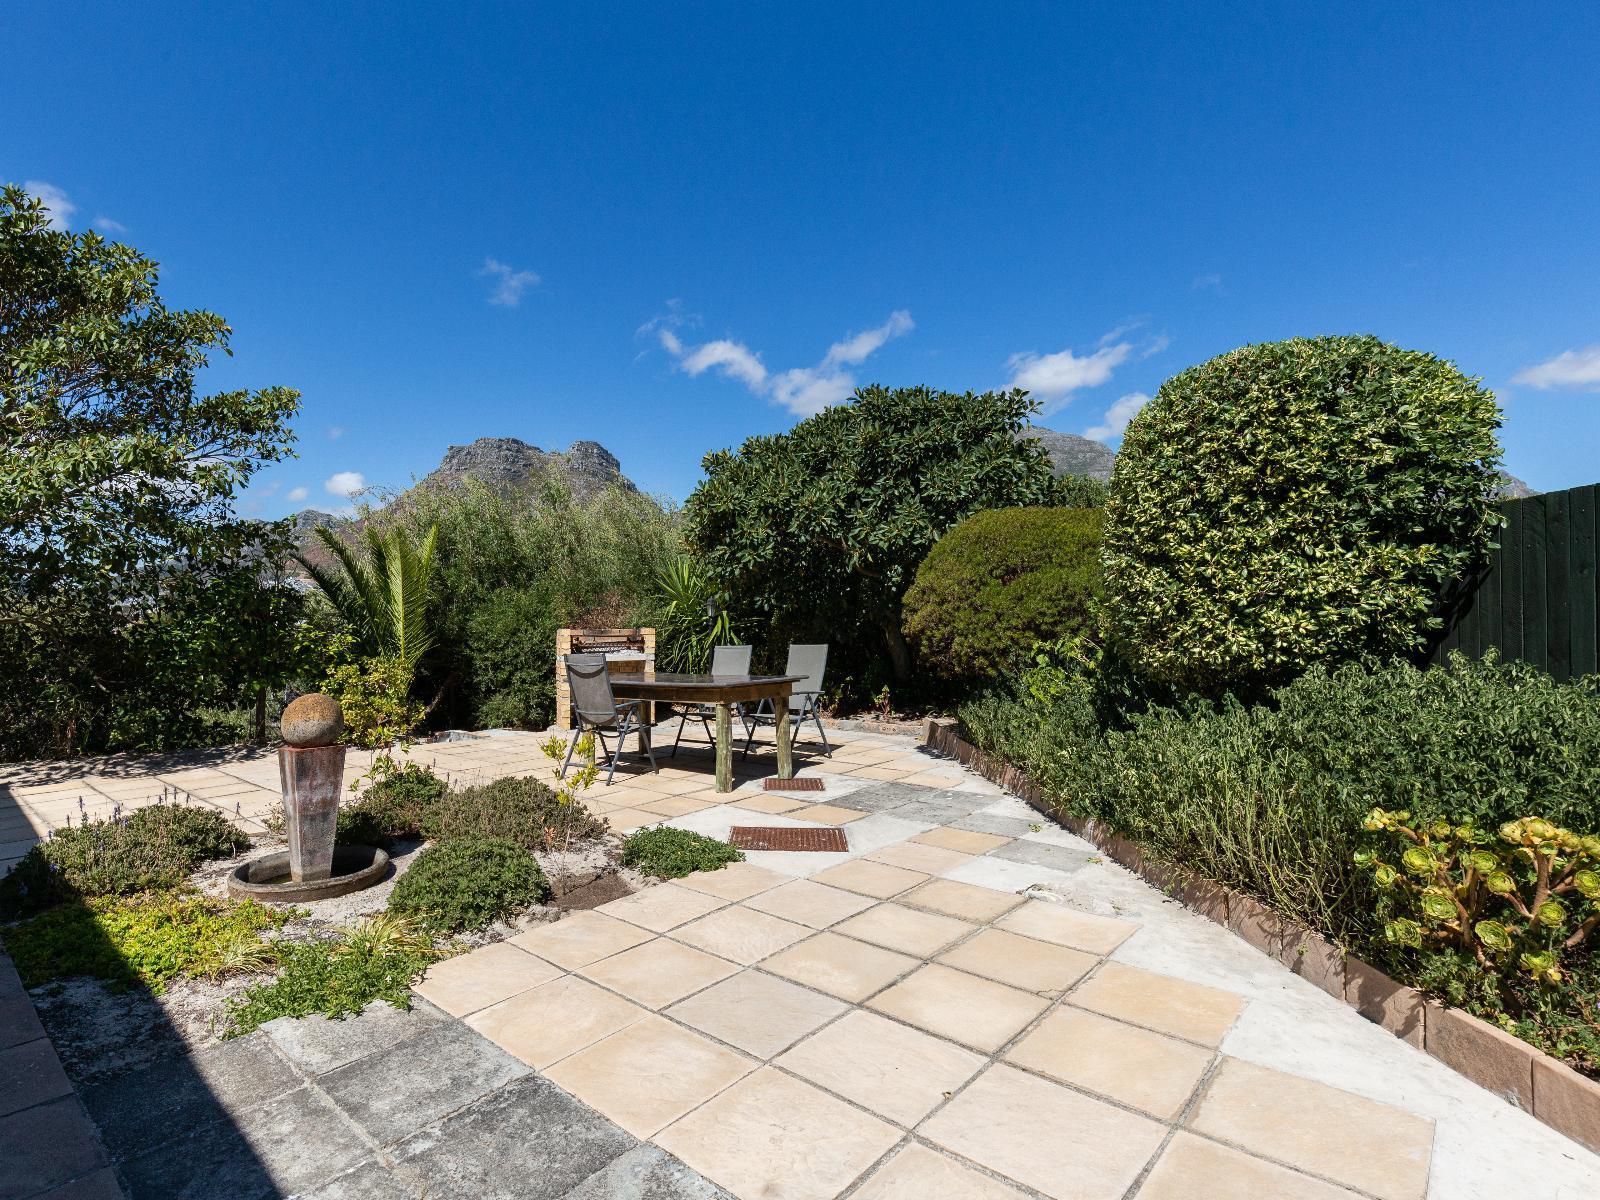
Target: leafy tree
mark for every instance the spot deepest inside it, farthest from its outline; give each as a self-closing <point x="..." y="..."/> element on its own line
<point x="117" y="481"/>
<point x="1301" y="502"/>
<point x="818" y="531"/>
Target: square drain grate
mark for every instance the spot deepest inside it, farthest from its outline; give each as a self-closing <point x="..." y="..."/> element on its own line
<point x="757" y="837"/>
<point x="792" y="785"/>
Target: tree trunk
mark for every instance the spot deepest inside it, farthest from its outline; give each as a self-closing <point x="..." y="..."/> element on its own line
<point x="261" y="715"/>
<point x="899" y="652"/>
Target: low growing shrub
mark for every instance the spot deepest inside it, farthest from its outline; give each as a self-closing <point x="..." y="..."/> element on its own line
<point x="673" y="853"/>
<point x="414" y="803"/>
<point x="468" y="883"/>
<point x="146" y="940"/>
<point x="338" y="976"/>
<point x="152" y="847"/>
<point x="393" y="807"/>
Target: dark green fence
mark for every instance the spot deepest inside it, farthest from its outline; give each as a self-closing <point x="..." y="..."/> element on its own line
<point x="1537" y="600"/>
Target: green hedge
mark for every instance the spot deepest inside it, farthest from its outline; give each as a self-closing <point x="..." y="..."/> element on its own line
<point x="999" y="582"/>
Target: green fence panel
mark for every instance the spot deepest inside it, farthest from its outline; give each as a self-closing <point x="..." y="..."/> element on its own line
<point x="1583" y="592"/>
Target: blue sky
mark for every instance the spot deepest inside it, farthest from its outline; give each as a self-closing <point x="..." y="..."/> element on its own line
<point x="670" y="227"/>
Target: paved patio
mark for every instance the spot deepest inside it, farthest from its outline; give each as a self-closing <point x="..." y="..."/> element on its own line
<point x="971" y="1002"/>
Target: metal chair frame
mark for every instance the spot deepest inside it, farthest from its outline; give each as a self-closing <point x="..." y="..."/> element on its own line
<point x="810" y="661"/>
<point x="725" y="660"/>
<point x="591" y="695"/>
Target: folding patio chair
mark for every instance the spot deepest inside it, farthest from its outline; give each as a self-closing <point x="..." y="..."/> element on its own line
<point x="597" y="711"/>
<point x="725" y="660"/>
<point x="809" y="662"/>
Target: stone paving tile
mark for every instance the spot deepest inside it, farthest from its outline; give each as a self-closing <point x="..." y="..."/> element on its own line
<point x="370" y="1180"/>
<point x="774" y="1138"/>
<point x="677" y="806"/>
<point x="840" y="966"/>
<point x="1022" y="962"/>
<point x="1374" y="1147"/>
<point x="1093" y="1152"/>
<point x="975" y="1012"/>
<point x="809" y="903"/>
<point x="545" y="1024"/>
<point x="826" y="814"/>
<point x="756" y="1012"/>
<point x="662" y="907"/>
<point x="768" y="802"/>
<point x="659" y="972"/>
<point x="527" y="1141"/>
<point x="1186" y="1010"/>
<point x="649" y="1074"/>
<point x="1047" y="922"/>
<point x="964" y="900"/>
<point x="943" y="807"/>
<point x="1006" y="827"/>
<point x="397" y="1091"/>
<point x="917" y="1173"/>
<point x="46" y="1145"/>
<point x="886" y="797"/>
<point x="736" y="881"/>
<point x="1044" y="854"/>
<point x="580" y="939"/>
<point x="896" y="1072"/>
<point x="870" y="879"/>
<point x="30" y="1074"/>
<point x="930" y="860"/>
<point x="98" y="1185"/>
<point x="1192" y="1166"/>
<point x="646" y="1173"/>
<point x="742" y="935"/>
<point x="1148" y="1071"/>
<point x="908" y="930"/>
<point x="482" y="977"/>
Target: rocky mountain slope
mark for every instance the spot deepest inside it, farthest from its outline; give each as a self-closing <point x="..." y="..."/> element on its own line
<point x="1071" y="454"/>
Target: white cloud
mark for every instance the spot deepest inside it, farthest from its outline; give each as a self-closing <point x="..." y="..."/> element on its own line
<point x="1155" y="345"/>
<point x="1115" y="422"/>
<point x="1052" y="378"/>
<point x="335" y="432"/>
<point x="1569" y="369"/>
<point x="346" y="483"/>
<point x="295" y="495"/>
<point x="55" y="200"/>
<point x="107" y="225"/>
<point x="509" y="283"/>
<point x="804" y="391"/>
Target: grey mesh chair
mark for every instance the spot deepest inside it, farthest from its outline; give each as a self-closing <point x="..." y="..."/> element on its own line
<point x="597" y="711"/>
<point x="809" y="662"/>
<point x="725" y="660"/>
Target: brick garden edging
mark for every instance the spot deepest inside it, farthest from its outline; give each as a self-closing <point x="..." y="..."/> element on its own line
<point x="1507" y="1066"/>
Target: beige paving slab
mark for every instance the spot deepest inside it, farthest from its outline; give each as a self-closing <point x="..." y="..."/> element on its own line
<point x="772" y="1137"/>
<point x="545" y="1024"/>
<point x="917" y="1173"/>
<point x="827" y="814"/>
<point x="1148" y="1071"/>
<point x="965" y="900"/>
<point x="1344" y="1137"/>
<point x="840" y="966"/>
<point x="485" y="976"/>
<point x="736" y="881"/>
<point x="662" y="907"/>
<point x="1067" y="926"/>
<point x="1041" y="967"/>
<point x="964" y="841"/>
<point x="917" y="856"/>
<point x="649" y="1074"/>
<point x="1093" y="1151"/>
<point x="1176" y="1006"/>
<point x="741" y="935"/>
<point x="677" y="806"/>
<point x="810" y="903"/>
<point x="658" y="972"/>
<point x="870" y="878"/>
<point x="898" y="1073"/>
<point x="908" y="930"/>
<point x="580" y="939"/>
<point x="626" y="820"/>
<point x="975" y="1012"/>
<point x="1192" y="1167"/>
<point x="756" y="1012"/>
<point x="769" y="802"/>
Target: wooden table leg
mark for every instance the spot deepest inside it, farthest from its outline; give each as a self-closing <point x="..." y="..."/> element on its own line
<point x="724" y="746"/>
<point x="785" y="749"/>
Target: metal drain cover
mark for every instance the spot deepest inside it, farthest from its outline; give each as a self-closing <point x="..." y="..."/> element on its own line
<point x="827" y="838"/>
<point x="792" y="785"/>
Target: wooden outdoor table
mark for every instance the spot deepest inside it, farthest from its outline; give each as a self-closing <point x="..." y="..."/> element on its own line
<point x="724" y="691"/>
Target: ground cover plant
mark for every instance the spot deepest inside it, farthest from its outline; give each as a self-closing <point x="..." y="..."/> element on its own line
<point x="468" y="883"/>
<point x="671" y="853"/>
<point x="413" y="803"/>
<point x="152" y="847"/>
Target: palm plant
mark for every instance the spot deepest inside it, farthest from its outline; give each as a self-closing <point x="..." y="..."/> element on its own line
<point x="692" y="618"/>
<point x="387" y="598"/>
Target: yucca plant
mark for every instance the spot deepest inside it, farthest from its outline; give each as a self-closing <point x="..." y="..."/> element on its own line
<point x="693" y="619"/>
<point x="385" y="598"/>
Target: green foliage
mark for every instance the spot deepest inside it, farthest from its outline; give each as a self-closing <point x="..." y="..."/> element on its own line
<point x="816" y="533"/>
<point x="338" y="976"/>
<point x="413" y="803"/>
<point x="147" y="940"/>
<point x="375" y="694"/>
<point x="1000" y="581"/>
<point x="468" y="883"/>
<point x="130" y="593"/>
<point x="1300" y="502"/>
<point x="691" y="620"/>
<point x="673" y="853"/>
<point x="397" y="806"/>
<point x="153" y="847"/>
<point x="1078" y="491"/>
<point x="1517" y="900"/>
<point x="385" y="597"/>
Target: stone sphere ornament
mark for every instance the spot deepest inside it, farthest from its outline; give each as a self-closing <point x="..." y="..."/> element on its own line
<point x="312" y="720"/>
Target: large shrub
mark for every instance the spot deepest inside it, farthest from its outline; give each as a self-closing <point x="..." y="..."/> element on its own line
<point x="467" y="884"/>
<point x="999" y="582"/>
<point x="1293" y="503"/>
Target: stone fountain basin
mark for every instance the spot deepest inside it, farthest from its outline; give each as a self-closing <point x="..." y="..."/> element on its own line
<point x="267" y="877"/>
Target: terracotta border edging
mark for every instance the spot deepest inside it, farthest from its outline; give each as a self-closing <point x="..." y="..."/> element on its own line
<point x="1507" y="1066"/>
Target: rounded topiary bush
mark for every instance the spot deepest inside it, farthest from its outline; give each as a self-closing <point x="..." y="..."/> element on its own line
<point x="1293" y="503"/>
<point x="1000" y="581"/>
<point x="468" y="883"/>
